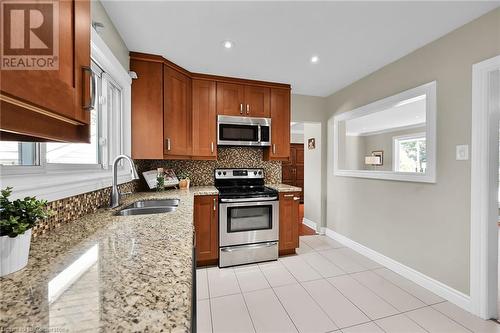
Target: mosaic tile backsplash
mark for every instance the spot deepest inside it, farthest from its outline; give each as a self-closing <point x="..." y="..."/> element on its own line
<point x="69" y="209"/>
<point x="201" y="173"/>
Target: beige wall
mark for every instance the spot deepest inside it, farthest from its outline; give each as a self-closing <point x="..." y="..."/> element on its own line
<point x="109" y="34"/>
<point x="312" y="171"/>
<point x="423" y="226"/>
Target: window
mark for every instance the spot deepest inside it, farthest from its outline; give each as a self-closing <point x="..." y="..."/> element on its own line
<point x="410" y="154"/>
<point x="105" y="132"/>
<point x="19" y="153"/>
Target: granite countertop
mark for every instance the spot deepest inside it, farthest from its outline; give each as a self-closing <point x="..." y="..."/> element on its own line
<point x="108" y="273"/>
<point x="284" y="187"/>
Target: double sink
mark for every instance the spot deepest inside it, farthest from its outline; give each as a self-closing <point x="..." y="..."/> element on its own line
<point x="144" y="207"/>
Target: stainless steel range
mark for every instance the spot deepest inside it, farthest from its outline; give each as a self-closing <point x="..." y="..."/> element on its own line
<point x="248" y="217"/>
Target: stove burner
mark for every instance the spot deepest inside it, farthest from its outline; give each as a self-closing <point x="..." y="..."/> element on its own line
<point x="242" y="183"/>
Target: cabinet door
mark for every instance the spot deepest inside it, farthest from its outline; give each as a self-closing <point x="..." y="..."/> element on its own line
<point x="204" y="120"/>
<point x="230" y="99"/>
<point x="280" y="126"/>
<point x="55" y="97"/>
<point x="257" y="101"/>
<point x="147" y="110"/>
<point x="176" y="114"/>
<point x="206" y="227"/>
<point x="289" y="224"/>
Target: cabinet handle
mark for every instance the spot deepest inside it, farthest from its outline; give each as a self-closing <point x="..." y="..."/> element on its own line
<point x="93" y="91"/>
<point x="215" y="205"/>
<point x="296" y="198"/>
<point x="241" y="108"/>
<point x="274" y="148"/>
<point x="288" y="195"/>
<point x="212" y="147"/>
<point x="168" y="143"/>
<point x="248" y="108"/>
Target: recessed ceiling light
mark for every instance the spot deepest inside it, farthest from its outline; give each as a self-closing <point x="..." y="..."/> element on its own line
<point x="314" y="59"/>
<point x="227" y="44"/>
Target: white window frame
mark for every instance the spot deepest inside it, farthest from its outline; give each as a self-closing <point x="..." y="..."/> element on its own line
<point x="429" y="90"/>
<point x="56" y="181"/>
<point x="395" y="146"/>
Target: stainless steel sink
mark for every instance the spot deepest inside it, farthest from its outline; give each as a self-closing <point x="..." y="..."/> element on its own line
<point x="154" y="203"/>
<point x="149" y="207"/>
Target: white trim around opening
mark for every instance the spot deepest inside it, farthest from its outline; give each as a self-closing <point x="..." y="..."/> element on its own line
<point x="484" y="190"/>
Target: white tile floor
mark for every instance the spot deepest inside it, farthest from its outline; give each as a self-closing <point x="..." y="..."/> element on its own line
<point x="325" y="288"/>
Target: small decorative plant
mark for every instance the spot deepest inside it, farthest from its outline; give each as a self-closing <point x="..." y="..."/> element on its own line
<point x="183" y="175"/>
<point x="183" y="180"/>
<point x="160" y="180"/>
<point x="20" y="215"/>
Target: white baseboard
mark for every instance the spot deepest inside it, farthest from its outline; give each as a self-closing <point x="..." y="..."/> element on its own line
<point x="454" y="296"/>
<point x="309" y="223"/>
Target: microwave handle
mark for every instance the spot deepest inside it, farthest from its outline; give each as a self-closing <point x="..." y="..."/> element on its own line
<point x="259" y="138"/>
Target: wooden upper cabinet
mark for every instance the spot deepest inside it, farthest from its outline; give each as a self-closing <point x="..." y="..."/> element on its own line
<point x="280" y="125"/>
<point x="204" y="120"/>
<point x="206" y="225"/>
<point x="289" y="222"/>
<point x="49" y="104"/>
<point x="230" y="99"/>
<point x="176" y="114"/>
<point x="235" y="99"/>
<point x="257" y="101"/>
<point x="147" y="110"/>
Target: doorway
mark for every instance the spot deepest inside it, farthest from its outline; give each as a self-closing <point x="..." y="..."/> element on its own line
<point x="292" y="171"/>
<point x="304" y="169"/>
<point x="484" y="264"/>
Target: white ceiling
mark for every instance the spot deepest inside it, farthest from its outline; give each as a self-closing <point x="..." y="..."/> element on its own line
<point x="274" y="41"/>
<point x="395" y="118"/>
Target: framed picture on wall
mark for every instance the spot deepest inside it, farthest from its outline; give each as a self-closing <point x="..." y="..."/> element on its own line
<point x="311" y="143"/>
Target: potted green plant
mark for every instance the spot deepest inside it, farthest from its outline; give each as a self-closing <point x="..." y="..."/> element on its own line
<point x="183" y="180"/>
<point x="17" y="218"/>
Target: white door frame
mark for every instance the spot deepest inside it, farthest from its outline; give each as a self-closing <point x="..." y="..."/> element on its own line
<point x="484" y="192"/>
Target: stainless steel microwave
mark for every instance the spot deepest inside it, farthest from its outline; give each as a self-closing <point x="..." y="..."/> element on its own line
<point x="243" y="131"/>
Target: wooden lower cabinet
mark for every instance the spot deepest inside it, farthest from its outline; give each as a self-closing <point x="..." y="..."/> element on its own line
<point x="206" y="225"/>
<point x="289" y="222"/>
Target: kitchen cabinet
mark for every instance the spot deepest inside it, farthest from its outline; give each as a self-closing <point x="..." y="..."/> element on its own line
<point x="257" y="101"/>
<point x="234" y="99"/>
<point x="52" y="105"/>
<point x="147" y="110"/>
<point x="176" y="113"/>
<point x="280" y="125"/>
<point x="204" y="120"/>
<point x="230" y="99"/>
<point x="206" y="222"/>
<point x="289" y="222"/>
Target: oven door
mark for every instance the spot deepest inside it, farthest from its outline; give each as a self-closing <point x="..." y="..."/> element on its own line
<point x="248" y="222"/>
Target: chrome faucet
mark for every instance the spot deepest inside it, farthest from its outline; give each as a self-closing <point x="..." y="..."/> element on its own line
<point x="115" y="193"/>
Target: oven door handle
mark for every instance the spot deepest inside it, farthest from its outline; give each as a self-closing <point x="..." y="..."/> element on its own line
<point x="249" y="199"/>
<point x="246" y="247"/>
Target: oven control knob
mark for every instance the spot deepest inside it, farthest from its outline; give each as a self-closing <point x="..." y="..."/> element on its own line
<point x="260" y="172"/>
<point x="219" y="173"/>
<point x="255" y="172"/>
<point x="224" y="173"/>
